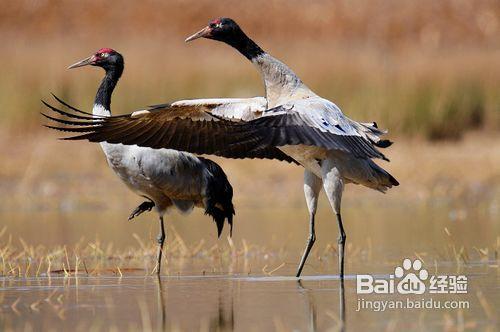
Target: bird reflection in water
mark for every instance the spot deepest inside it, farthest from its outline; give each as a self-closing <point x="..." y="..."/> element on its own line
<point x="161" y="305"/>
<point x="311" y="307"/>
<point x="223" y="321"/>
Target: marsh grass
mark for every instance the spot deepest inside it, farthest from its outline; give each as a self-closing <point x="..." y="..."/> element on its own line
<point x="94" y="258"/>
<point x="66" y="190"/>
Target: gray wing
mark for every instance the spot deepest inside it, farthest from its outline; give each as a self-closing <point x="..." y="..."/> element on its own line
<point x="318" y="122"/>
<point x="293" y="128"/>
<point x="305" y="122"/>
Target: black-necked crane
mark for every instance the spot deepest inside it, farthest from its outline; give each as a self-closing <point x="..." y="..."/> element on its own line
<point x="167" y="178"/>
<point x="333" y="149"/>
<point x="300" y="115"/>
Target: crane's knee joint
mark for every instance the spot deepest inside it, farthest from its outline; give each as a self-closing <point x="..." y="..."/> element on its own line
<point x="312" y="238"/>
<point x="160" y="238"/>
<point x="341" y="239"/>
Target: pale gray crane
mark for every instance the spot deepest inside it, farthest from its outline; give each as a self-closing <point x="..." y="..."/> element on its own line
<point x="333" y="149"/>
<point x="300" y="114"/>
<point x="166" y="177"/>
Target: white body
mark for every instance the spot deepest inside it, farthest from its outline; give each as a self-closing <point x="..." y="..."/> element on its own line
<point x="283" y="87"/>
<point x="155" y="173"/>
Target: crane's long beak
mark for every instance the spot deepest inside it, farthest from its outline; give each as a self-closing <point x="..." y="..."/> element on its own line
<point x="84" y="62"/>
<point x="205" y="32"/>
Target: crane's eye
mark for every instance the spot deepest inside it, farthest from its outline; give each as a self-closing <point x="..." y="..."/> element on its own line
<point x="104" y="55"/>
<point x="216" y="25"/>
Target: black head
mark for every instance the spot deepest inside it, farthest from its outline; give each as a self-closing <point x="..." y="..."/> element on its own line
<point x="106" y="58"/>
<point x="223" y="29"/>
<point x="228" y="31"/>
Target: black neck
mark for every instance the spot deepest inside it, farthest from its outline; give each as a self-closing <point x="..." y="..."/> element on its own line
<point x="245" y="46"/>
<point x="108" y="84"/>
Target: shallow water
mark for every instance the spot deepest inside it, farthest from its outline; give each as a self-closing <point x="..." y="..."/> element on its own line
<point x="227" y="302"/>
<point x="254" y="290"/>
<point x="391" y="227"/>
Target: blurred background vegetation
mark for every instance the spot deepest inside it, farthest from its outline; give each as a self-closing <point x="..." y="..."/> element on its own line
<point x="421" y="68"/>
<point x="427" y="70"/>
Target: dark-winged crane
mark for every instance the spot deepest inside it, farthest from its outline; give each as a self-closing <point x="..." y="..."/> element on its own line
<point x="313" y="131"/>
<point x="167" y="178"/>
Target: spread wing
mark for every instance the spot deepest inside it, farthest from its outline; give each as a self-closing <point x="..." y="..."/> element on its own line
<point x="185" y="126"/>
<point x="312" y="121"/>
<point x="292" y="128"/>
<point x="318" y="122"/>
<point x="211" y="128"/>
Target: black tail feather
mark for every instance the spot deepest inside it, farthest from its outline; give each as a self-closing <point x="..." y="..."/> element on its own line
<point x="219" y="196"/>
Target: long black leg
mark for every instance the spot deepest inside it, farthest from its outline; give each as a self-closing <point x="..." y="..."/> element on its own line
<point x="161" y="240"/>
<point x="334" y="186"/>
<point x="341" y="243"/>
<point x="312" y="187"/>
<point x="310" y="243"/>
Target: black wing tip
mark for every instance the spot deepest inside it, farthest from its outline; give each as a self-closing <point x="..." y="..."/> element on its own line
<point x="54" y="127"/>
<point x="67" y="122"/>
<point x="62" y="102"/>
<point x="58" y="99"/>
<point x="71" y="138"/>
<point x="384" y="143"/>
<point x="58" y="129"/>
<point x="393" y="180"/>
